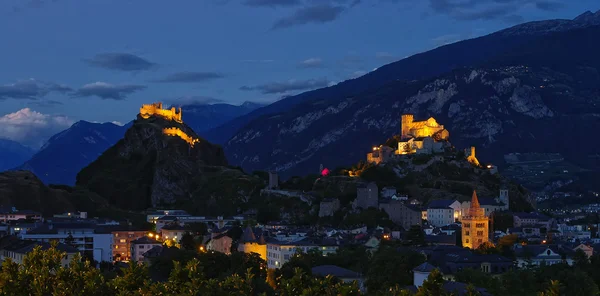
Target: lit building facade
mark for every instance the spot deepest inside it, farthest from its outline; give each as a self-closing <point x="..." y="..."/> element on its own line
<point x="475" y="225"/>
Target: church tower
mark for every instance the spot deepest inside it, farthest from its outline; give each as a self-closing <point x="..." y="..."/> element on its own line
<point x="503" y="198"/>
<point x="406" y="123"/>
<point x="475" y="225"/>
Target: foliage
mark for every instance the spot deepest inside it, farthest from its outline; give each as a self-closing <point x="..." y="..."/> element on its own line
<point x="187" y="242"/>
<point x="370" y="217"/>
<point x="390" y="267"/>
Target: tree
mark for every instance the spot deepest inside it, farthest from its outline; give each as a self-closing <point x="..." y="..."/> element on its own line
<point x="187" y="242"/>
<point x="390" y="267"/>
<point x="433" y="285"/>
<point x="415" y="236"/>
<point x="487" y="248"/>
<point x="553" y="290"/>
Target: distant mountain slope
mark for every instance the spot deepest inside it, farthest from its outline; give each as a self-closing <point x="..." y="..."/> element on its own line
<point x="202" y="117"/>
<point x="13" y="154"/>
<point x="417" y="67"/>
<point x="67" y="152"/>
<point x="542" y="96"/>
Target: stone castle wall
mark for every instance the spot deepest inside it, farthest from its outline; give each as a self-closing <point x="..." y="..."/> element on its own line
<point x="417" y="129"/>
<point x="176" y="132"/>
<point x="157" y="109"/>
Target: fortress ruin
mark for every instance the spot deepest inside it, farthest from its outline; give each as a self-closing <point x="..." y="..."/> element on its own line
<point x="156" y="109"/>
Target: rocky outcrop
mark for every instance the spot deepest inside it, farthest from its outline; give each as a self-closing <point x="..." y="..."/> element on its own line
<point x="150" y="168"/>
<point x="24" y="191"/>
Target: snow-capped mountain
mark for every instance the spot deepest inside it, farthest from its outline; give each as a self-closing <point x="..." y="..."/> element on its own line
<point x="536" y="96"/>
<point x="67" y="152"/>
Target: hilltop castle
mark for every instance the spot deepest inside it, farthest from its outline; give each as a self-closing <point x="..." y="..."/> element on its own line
<point x="421" y="136"/>
<point x="157" y="109"/>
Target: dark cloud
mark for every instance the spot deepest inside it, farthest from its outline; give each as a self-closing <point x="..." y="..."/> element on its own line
<point x="107" y="91"/>
<point x="312" y="63"/>
<point x="272" y="3"/>
<point x="287" y="86"/>
<point x="194" y="100"/>
<point x="190" y="77"/>
<point x="321" y="13"/>
<point x="30" y="89"/>
<point x="549" y="5"/>
<point x="120" y="61"/>
<point x="489" y="9"/>
<point x="45" y="103"/>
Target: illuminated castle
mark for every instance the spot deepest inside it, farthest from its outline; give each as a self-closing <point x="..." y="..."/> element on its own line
<point x="421" y="136"/>
<point x="421" y="129"/>
<point x="472" y="158"/>
<point x="475" y="225"/>
<point x="173" y="131"/>
<point x="157" y="109"/>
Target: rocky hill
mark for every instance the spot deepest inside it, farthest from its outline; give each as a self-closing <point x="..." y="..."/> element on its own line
<point x="541" y="96"/>
<point x="150" y="168"/>
<point x="13" y="154"/>
<point x="67" y="152"/>
<point x="422" y="66"/>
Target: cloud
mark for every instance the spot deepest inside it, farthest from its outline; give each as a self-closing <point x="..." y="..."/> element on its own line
<point x="193" y="100"/>
<point x="30" y="89"/>
<point x="120" y="61"/>
<point x="287" y="86"/>
<point x="319" y="14"/>
<point x="190" y="77"/>
<point x="107" y="91"/>
<point x="312" y="63"/>
<point x="506" y="10"/>
<point x="386" y="56"/>
<point x="358" y="73"/>
<point x="32" y="128"/>
<point x="272" y="3"/>
<point x="45" y="103"/>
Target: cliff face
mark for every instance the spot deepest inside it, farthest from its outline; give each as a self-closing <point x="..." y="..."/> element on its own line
<point x="150" y="168"/>
<point x="541" y="97"/>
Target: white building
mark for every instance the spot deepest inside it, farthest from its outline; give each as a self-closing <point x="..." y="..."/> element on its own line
<point x="12" y="214"/>
<point x="279" y="253"/>
<point x="443" y="212"/>
<point x="141" y="246"/>
<point x="86" y="239"/>
<point x="490" y="205"/>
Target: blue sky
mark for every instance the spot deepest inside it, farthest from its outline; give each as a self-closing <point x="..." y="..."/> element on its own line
<point x="99" y="60"/>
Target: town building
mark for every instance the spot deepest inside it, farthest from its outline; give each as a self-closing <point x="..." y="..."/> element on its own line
<point x="172" y="232"/>
<point x="219" y="242"/>
<point x="530" y="219"/>
<point x="273" y="180"/>
<point x="421" y="273"/>
<point x="421" y="136"/>
<point x="475" y="225"/>
<point x="537" y="255"/>
<point x="380" y="154"/>
<point x="252" y="243"/>
<point x="443" y="212"/>
<point x="122" y="243"/>
<point x="367" y="196"/>
<point x="405" y="215"/>
<point x="345" y="275"/>
<point x="92" y="241"/>
<point x="490" y="205"/>
<point x="155" y="215"/>
<point x="280" y="252"/>
<point x="141" y="246"/>
<point x="17" y="249"/>
<point x="12" y="214"/>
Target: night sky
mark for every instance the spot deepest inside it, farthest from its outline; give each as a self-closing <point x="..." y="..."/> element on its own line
<point x="99" y="60"/>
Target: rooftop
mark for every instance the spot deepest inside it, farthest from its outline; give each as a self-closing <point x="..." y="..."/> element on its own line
<point x="339" y="272"/>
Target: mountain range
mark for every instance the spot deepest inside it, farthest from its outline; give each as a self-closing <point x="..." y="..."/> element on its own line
<point x="203" y="117"/>
<point x="67" y="152"/>
<point x="13" y="154"/>
<point x="420" y="66"/>
<point x="530" y="88"/>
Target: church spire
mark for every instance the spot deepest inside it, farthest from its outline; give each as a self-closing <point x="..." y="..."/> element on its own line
<point x="474" y="200"/>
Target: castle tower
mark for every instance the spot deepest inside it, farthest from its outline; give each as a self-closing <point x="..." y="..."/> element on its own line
<point x="475" y="225"/>
<point x="503" y="198"/>
<point x="406" y="125"/>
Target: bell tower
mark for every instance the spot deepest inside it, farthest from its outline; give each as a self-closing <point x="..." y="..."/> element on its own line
<point x="475" y="225"/>
<point x="405" y="125"/>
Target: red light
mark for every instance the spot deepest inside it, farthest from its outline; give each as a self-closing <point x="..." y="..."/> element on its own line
<point x="325" y="172"/>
